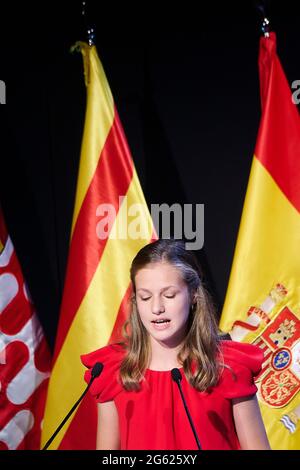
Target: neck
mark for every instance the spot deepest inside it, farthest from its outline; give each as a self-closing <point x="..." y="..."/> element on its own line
<point x="163" y="356"/>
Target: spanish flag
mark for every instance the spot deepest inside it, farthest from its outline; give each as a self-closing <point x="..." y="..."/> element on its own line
<point x="111" y="222"/>
<point x="262" y="304"/>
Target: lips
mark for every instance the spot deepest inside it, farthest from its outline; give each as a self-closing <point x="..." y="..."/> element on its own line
<point x="161" y="325"/>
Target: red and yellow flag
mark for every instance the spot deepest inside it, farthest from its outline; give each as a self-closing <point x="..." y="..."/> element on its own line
<point x="262" y="304"/>
<point x="111" y="223"/>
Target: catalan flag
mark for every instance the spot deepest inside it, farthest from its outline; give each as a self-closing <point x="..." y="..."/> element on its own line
<point x="111" y="222"/>
<point x="262" y="304"/>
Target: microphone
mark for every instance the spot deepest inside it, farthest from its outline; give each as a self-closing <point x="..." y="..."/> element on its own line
<point x="176" y="376"/>
<point x="96" y="371"/>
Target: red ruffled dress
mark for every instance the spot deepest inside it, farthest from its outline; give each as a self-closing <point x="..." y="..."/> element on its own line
<point x="155" y="418"/>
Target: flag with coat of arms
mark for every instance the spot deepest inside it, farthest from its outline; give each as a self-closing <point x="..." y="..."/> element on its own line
<point x="262" y="304"/>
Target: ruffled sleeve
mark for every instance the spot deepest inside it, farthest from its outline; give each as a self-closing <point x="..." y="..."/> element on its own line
<point x="242" y="362"/>
<point x="105" y="387"/>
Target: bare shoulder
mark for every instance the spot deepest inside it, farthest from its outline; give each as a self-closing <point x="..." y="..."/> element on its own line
<point x="108" y="433"/>
<point x="249" y="424"/>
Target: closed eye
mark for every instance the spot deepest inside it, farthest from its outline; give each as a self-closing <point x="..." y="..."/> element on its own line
<point x="170" y="296"/>
<point x="145" y="298"/>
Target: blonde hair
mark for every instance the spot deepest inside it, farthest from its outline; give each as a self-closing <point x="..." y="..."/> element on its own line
<point x="201" y="344"/>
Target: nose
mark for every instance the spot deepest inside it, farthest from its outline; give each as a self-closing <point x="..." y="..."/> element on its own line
<point x="157" y="306"/>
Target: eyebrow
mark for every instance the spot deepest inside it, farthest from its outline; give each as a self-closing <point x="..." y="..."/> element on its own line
<point x="162" y="290"/>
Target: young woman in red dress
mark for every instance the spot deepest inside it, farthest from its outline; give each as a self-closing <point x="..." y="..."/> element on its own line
<point x="172" y="325"/>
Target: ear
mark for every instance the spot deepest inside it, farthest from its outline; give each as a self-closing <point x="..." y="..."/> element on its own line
<point x="194" y="299"/>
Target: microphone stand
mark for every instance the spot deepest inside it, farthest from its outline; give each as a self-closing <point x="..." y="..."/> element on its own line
<point x="176" y="376"/>
<point x="96" y="371"/>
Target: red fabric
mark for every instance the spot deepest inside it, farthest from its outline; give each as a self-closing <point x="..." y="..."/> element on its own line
<point x="24" y="356"/>
<point x="154" y="417"/>
<point x="278" y="141"/>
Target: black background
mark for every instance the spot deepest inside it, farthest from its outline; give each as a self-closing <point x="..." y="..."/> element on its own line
<point x="185" y="81"/>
